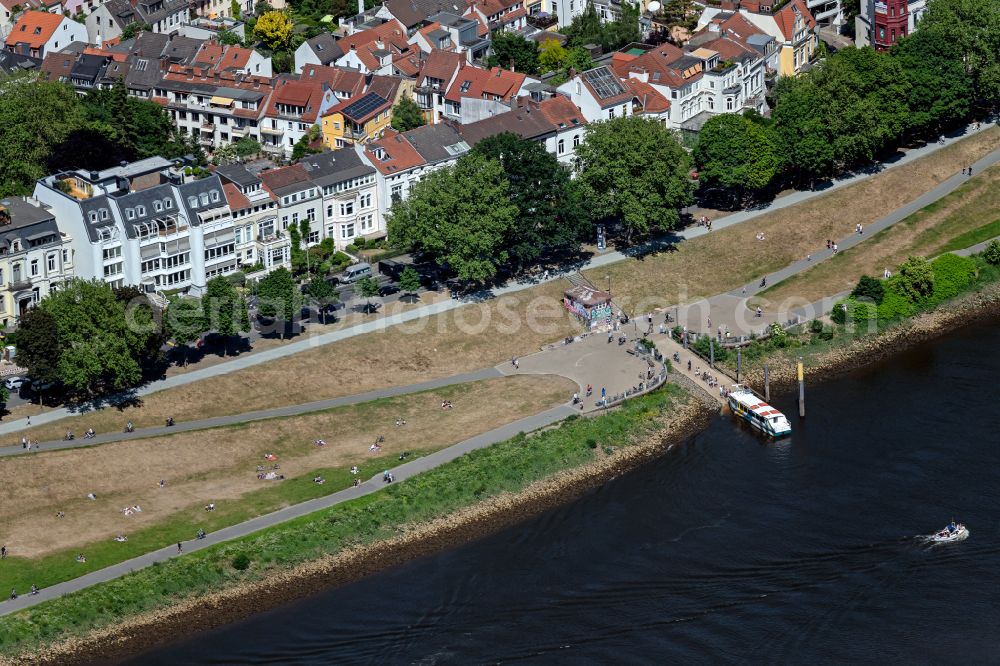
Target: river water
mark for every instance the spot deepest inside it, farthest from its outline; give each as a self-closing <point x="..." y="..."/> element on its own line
<point x="729" y="549"/>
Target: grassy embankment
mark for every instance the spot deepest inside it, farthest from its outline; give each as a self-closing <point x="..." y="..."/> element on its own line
<point x="507" y="467"/>
<point x="961" y="219"/>
<point x="518" y="324"/>
<point x="218" y="466"/>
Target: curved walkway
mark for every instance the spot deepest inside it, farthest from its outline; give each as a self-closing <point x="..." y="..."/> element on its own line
<point x="306" y="343"/>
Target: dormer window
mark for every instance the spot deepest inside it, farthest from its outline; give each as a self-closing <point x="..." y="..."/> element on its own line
<point x="157" y="206"/>
<point x="215" y="195"/>
<point x="104" y="214"/>
<point x="193" y="202"/>
<point x="204" y="198"/>
<point x="93" y="216"/>
<point x="130" y="213"/>
<point x="140" y="211"/>
<point x="168" y="203"/>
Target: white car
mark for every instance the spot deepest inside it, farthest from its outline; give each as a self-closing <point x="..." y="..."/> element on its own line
<point x="14" y="383"/>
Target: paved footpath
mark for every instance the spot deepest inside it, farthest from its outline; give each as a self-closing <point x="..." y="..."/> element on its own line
<point x="311" y="342"/>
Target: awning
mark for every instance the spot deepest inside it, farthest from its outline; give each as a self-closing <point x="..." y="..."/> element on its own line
<point x="221" y="101"/>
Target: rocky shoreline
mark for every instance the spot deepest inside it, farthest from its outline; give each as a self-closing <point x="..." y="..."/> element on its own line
<point x="973" y="307"/>
<point x="148" y="630"/>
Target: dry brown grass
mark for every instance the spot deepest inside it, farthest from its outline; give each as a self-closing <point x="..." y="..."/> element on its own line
<point x="926" y="233"/>
<point x="465" y="339"/>
<point x="220" y="465"/>
<point x="725" y="259"/>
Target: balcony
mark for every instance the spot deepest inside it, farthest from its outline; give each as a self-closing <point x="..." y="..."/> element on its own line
<point x="274" y="131"/>
<point x="206" y="139"/>
<point x="208" y="126"/>
<point x="239" y="131"/>
<point x="19" y="285"/>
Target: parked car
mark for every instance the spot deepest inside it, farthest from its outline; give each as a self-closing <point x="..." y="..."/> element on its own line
<point x="356" y="272"/>
<point x="15" y="383"/>
<point x="388" y="289"/>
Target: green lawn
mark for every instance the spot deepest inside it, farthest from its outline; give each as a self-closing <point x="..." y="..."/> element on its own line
<point x="508" y="466"/>
<point x="974" y="237"/>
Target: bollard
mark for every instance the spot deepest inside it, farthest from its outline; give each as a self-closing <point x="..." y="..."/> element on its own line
<point x="802" y="392"/>
<point x="767" y="384"/>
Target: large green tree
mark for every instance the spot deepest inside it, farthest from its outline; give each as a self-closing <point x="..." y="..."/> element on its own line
<point x="634" y="170"/>
<point x="36" y="117"/>
<point x="225" y="309"/>
<point x="737" y="154"/>
<point x="407" y="115"/>
<point x="460" y="216"/>
<point x="280" y="297"/>
<point x="321" y="295"/>
<point x="102" y="344"/>
<point x="551" y="217"/>
<point x="511" y="49"/>
<point x="941" y="92"/>
<point x="974" y="27"/>
<point x="38" y="346"/>
<point x="409" y="282"/>
<point x="588" y="28"/>
<point x="866" y="109"/>
<point x="800" y="123"/>
<point x="184" y="322"/>
<point x="368" y="289"/>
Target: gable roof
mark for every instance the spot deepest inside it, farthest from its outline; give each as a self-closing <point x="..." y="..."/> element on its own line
<point x="437" y="143"/>
<point x="475" y="82"/>
<point x="440" y="65"/>
<point x="652" y="101"/>
<point x="285" y="180"/>
<point x="349" y="82"/>
<point x="364" y="108"/>
<point x="33" y="28"/>
<point x="397" y="153"/>
<point x="785" y="18"/>
<point x="561" y="112"/>
<point x="325" y="47"/>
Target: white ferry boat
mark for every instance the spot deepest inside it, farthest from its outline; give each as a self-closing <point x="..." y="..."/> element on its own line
<point x="751" y="408"/>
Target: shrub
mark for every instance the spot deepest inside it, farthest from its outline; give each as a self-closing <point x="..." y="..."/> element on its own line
<point x="869" y="288"/>
<point x="815" y="326"/>
<point x="992" y="253"/>
<point x="863" y="312"/>
<point x="952" y="274"/>
<point x="591" y="443"/>
<point x="241" y="562"/>
<point x="894" y="305"/>
<point x="840" y="310"/>
<point x="826" y="333"/>
<point x="916" y="279"/>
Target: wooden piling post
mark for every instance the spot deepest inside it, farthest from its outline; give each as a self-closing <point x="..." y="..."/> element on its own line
<point x="739" y="363"/>
<point x="711" y="353"/>
<point x="802" y="392"/>
<point x="767" y="384"/>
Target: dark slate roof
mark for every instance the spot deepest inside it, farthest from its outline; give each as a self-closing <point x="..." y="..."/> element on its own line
<point x="238" y="174"/>
<point x="433" y="142"/>
<point x="325" y="47"/>
<point x="169" y="7"/>
<point x="149" y="44"/>
<point x="96" y="204"/>
<point x="27" y="223"/>
<point x="121" y="12"/>
<point x="89" y="67"/>
<point x="182" y="49"/>
<point x="143" y="73"/>
<point x="196" y="188"/>
<point x="15" y="62"/>
<point x="334" y="166"/>
<point x="143" y="208"/>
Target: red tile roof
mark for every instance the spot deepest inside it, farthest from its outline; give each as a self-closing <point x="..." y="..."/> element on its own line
<point x="235" y="198"/>
<point x="391" y="34"/>
<point x="290" y="92"/>
<point x="275" y="179"/>
<point x="561" y="112"/>
<point x="651" y="100"/>
<point x="399" y="154"/>
<point x="217" y="55"/>
<point x="475" y="82"/>
<point x="440" y="65"/>
<point x="338" y="79"/>
<point x="34" y="28"/>
<point x="785" y="17"/>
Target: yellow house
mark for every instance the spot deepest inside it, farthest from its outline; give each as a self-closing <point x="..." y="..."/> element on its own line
<point x="356" y="120"/>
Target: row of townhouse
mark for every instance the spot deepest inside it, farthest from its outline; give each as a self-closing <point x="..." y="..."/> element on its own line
<point x="145" y="224"/>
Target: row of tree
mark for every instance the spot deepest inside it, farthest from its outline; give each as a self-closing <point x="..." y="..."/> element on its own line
<point x="48" y="127"/>
<point x="509" y="204"/>
<point x="859" y="104"/>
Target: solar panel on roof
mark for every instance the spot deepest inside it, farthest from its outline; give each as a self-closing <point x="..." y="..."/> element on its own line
<point x="364" y="106"/>
<point x="604" y="82"/>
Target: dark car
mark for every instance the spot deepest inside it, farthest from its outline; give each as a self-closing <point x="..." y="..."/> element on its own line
<point x="388" y="289"/>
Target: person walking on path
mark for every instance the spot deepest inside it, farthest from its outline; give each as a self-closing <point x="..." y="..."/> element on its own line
<point x="180" y="548"/>
<point x="3" y="552"/>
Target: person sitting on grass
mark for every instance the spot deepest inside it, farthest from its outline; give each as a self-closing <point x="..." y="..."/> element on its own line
<point x="81" y="559"/>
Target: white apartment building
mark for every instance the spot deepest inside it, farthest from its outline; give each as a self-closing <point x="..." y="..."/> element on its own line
<point x="140" y="224"/>
<point x="349" y="197"/>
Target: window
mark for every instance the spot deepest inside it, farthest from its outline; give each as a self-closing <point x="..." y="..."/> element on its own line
<point x="611" y="112"/>
<point x="157" y="206"/>
<point x="130" y="213"/>
<point x="112" y="253"/>
<point x="215" y="196"/>
<point x="561" y="146"/>
<point x="365" y="201"/>
<point x="93" y="216"/>
<point x="168" y="203"/>
<point x="104" y="213"/>
<point x="192" y="202"/>
<point x="347" y="231"/>
<point x="218" y="252"/>
<point x="367" y="222"/>
<point x="33" y="271"/>
<point x="203" y="197"/>
<point x="329" y="210"/>
<point x="576" y="141"/>
<point x="311" y="214"/>
<point x="347" y="208"/>
<point x="151" y="265"/>
<point x="113" y="269"/>
<point x="313" y="237"/>
<point x="65" y="258"/>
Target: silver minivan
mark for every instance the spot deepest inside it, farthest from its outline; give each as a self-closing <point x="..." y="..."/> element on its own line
<point x="357" y="271"/>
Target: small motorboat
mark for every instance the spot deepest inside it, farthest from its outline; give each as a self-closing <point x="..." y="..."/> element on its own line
<point x="952" y="532"/>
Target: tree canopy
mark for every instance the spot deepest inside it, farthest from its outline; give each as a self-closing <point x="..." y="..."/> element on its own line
<point x="551" y="217"/>
<point x="274" y="30"/>
<point x="736" y="153"/>
<point x="101" y="345"/>
<point x="634" y="171"/>
<point x="588" y="28"/>
<point x="280" y="297"/>
<point x="407" y="115"/>
<point x="460" y="216"/>
<point x="512" y="49"/>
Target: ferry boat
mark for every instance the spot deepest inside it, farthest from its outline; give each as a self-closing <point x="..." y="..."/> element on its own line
<point x="751" y="408"/>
